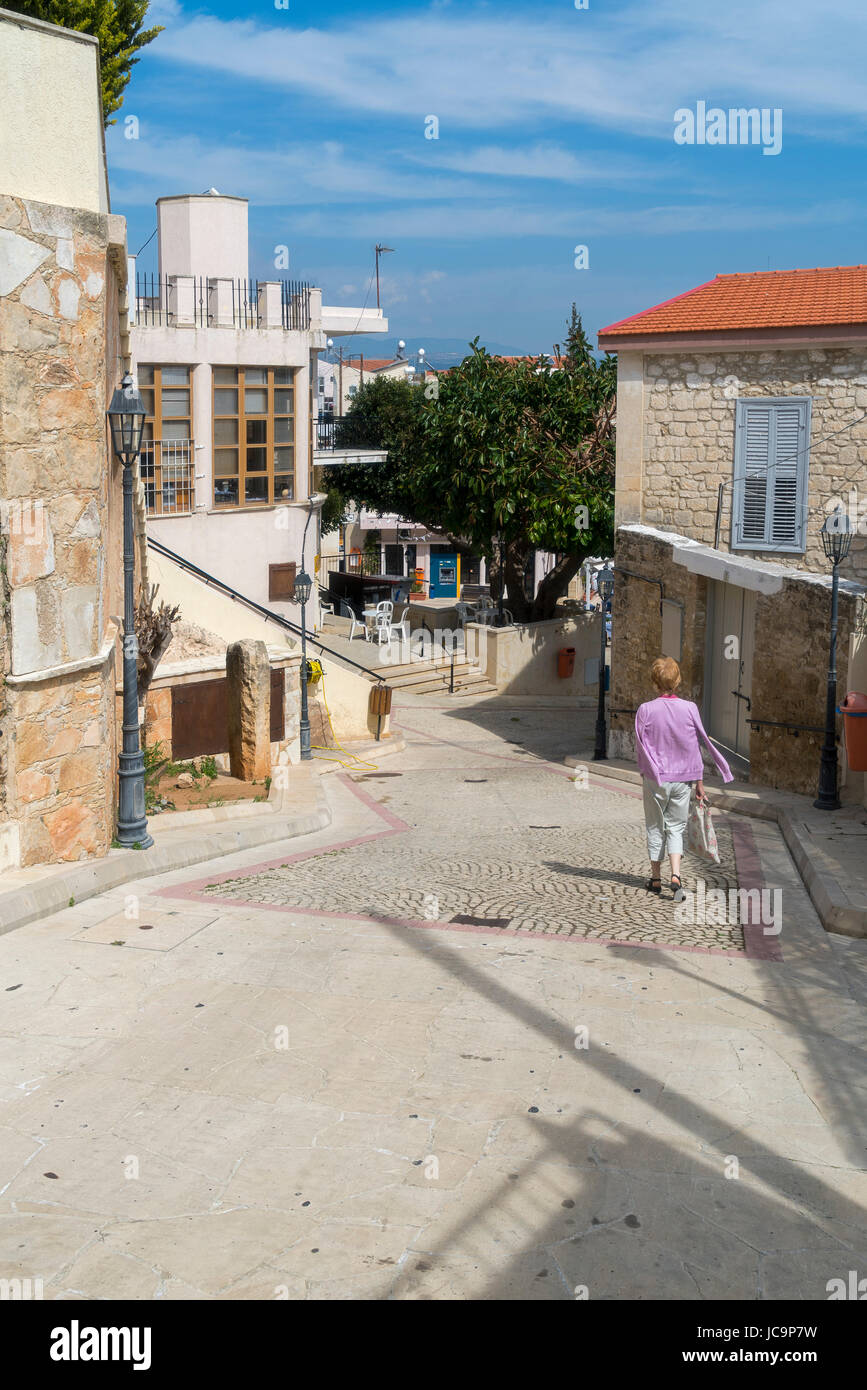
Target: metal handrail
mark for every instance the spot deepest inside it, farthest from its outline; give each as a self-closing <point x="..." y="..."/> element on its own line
<point x="258" y="607"/>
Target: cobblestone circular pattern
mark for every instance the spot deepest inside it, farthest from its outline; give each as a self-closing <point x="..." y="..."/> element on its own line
<point x="532" y="878"/>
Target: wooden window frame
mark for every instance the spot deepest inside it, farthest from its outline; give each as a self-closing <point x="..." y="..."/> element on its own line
<point x="155" y="422"/>
<point x="241" y="417"/>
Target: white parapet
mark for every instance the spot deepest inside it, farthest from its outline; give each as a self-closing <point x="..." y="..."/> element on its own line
<point x="339" y="321"/>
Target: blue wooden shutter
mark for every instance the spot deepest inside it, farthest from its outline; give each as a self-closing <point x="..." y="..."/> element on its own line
<point x="772" y="441"/>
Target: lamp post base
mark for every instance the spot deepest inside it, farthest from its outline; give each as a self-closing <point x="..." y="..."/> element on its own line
<point x="828" y="799"/>
<point x="132" y="825"/>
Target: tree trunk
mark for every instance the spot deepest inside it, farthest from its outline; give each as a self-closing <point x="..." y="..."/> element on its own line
<point x="554" y="586"/>
<point x="517" y="602"/>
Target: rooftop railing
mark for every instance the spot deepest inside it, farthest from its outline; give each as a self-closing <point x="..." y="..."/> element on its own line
<point x="195" y="301"/>
<point x="345" y="432"/>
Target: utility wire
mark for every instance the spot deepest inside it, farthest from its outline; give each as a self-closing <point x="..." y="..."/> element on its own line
<point x="148" y="242"/>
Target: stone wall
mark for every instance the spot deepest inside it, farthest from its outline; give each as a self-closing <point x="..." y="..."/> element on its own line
<point x="158" y="708"/>
<point x="687" y="443"/>
<point x="789" y="664"/>
<point x="789" y="684"/>
<point x="59" y="298"/>
<point x="645" y="575"/>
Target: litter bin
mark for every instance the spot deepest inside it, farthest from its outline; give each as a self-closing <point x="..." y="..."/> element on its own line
<point x="854" y="712"/>
<point x="565" y="662"/>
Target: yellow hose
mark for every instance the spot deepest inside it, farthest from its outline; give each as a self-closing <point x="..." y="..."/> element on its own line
<point x="363" y="762"/>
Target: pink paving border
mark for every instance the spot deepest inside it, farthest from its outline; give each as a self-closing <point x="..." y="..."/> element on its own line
<point x="757" y="945"/>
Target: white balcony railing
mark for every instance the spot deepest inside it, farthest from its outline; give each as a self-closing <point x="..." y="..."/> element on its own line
<point x="167" y="473"/>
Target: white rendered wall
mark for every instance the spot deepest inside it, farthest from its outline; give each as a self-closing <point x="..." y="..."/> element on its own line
<point x="238" y="547"/>
<point x="51" y="133"/>
<point x="203" y="235"/>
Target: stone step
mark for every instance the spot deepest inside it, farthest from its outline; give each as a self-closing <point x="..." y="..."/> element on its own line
<point x="472" y="685"/>
<point x="422" y="671"/>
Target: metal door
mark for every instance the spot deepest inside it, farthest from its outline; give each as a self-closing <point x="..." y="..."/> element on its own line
<point x="394" y="559"/>
<point x="730" y="667"/>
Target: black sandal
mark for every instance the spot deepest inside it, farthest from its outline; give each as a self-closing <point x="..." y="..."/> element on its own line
<point x="654" y="885"/>
<point x="679" y="891"/>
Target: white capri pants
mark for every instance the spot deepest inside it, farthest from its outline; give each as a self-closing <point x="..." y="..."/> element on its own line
<point x="666" y="811"/>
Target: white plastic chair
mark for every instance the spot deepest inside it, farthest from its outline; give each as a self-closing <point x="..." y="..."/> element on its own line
<point x="401" y="627"/>
<point x="385" y="606"/>
<point x="382" y="629"/>
<point x="347" y="611"/>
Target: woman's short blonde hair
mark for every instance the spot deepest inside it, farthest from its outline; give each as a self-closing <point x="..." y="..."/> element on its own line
<point x="665" y="674"/>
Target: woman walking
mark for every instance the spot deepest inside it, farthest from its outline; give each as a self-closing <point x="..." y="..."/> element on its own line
<point x="668" y="738"/>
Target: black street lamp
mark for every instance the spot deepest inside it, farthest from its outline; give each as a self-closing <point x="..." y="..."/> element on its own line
<point x="836" y="540"/>
<point x="126" y="417"/>
<point x="605" y="583"/>
<point x="303" y="590"/>
<point x="501" y="618"/>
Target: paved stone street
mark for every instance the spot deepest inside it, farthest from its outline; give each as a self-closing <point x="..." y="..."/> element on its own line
<point x="446" y="1048"/>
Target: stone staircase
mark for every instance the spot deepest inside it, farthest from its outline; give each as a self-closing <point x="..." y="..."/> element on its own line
<point x="433" y="677"/>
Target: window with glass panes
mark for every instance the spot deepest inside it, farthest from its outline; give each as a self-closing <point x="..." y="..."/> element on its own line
<point x="167" y="394"/>
<point x="254" y="435"/>
<point x="166" y="462"/>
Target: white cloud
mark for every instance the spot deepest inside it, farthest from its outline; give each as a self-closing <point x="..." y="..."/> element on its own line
<point x="476" y="67"/>
<point x="302" y="174"/>
<point x="496" y="221"/>
<point x="540" y="161"/>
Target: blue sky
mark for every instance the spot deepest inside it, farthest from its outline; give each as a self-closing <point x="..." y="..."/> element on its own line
<point x="555" y="130"/>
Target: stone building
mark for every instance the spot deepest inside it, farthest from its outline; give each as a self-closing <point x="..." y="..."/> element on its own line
<point x="63" y="348"/>
<point x="741" y="425"/>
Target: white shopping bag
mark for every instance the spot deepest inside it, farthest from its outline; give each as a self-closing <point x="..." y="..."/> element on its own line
<point x="700" y="835"/>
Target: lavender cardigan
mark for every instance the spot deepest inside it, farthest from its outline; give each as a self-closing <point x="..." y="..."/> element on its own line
<point x="668" y="731"/>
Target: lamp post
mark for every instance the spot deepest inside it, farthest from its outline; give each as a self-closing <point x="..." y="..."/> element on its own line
<point x="605" y="581"/>
<point x="836" y="540"/>
<point x="501" y="617"/>
<point x="126" y="417"/>
<point x="303" y="590"/>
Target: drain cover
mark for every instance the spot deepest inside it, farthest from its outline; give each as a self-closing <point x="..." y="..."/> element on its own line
<point x="482" y="921"/>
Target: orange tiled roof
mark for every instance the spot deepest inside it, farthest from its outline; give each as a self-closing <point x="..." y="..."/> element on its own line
<point x="759" y="299"/>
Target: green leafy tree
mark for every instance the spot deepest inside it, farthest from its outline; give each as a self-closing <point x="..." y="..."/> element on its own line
<point x="511" y="457"/>
<point x="386" y="413"/>
<point x="118" y="24"/>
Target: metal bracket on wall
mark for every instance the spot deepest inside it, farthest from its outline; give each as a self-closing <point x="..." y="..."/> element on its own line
<point x="792" y="728"/>
<point x="618" y="569"/>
